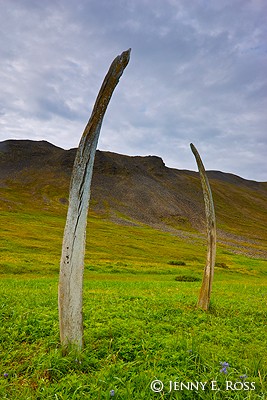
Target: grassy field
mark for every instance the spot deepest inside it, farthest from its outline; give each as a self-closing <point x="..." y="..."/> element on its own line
<point x="141" y="323"/>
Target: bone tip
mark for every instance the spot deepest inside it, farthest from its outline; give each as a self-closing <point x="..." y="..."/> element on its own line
<point x="127" y="52"/>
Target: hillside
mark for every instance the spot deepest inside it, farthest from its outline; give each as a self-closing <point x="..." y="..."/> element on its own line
<point x="136" y="190"/>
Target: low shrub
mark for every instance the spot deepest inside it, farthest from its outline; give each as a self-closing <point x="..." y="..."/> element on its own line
<point x="221" y="265"/>
<point x="186" y="278"/>
<point x="176" y="263"/>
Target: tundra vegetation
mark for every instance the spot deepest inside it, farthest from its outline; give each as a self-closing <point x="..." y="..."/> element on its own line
<point x="141" y="324"/>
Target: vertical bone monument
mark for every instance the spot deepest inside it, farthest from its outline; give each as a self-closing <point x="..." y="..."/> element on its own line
<point x="205" y="291"/>
<point x="70" y="289"/>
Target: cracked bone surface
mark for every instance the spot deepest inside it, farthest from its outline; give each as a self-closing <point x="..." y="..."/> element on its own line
<point x="70" y="289"/>
<point x="206" y="287"/>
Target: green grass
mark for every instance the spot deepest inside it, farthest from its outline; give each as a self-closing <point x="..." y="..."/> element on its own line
<point x="141" y="324"/>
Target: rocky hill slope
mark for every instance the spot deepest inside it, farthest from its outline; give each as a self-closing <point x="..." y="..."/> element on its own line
<point x="134" y="190"/>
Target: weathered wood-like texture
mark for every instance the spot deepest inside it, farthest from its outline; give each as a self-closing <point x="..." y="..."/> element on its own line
<point x="70" y="289"/>
<point x="205" y="291"/>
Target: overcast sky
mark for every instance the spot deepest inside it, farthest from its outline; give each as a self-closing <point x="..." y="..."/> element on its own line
<point x="198" y="73"/>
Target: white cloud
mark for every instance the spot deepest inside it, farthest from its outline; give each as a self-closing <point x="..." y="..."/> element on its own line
<point x="197" y="73"/>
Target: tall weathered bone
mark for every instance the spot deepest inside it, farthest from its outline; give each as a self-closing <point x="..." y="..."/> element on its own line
<point x="206" y="287"/>
<point x="73" y="248"/>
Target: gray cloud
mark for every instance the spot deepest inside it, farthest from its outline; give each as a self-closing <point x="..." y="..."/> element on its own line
<point x="197" y="74"/>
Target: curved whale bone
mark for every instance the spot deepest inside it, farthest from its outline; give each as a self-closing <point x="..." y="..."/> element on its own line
<point x="70" y="287"/>
<point x="206" y="287"/>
